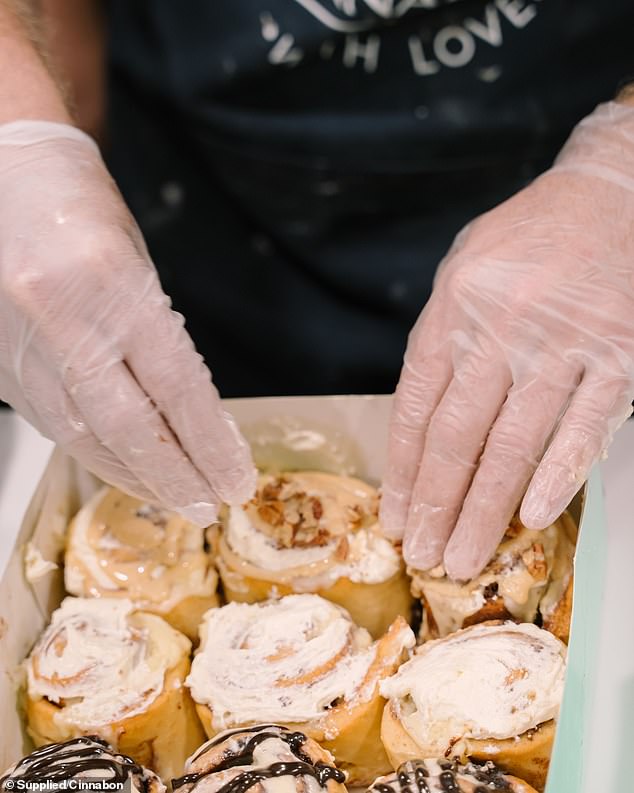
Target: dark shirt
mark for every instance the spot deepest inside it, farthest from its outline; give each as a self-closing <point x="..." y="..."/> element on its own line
<point x="299" y="167"/>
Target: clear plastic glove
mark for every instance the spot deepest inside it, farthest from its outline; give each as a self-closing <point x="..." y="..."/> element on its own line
<point x="90" y="351"/>
<point x="521" y="367"/>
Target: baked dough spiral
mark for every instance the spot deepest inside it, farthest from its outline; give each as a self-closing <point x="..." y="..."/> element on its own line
<point x="103" y="668"/>
<point x="119" y="546"/>
<point x="308" y="531"/>
<point x="489" y="692"/>
<point x="301" y="662"/>
<point x="262" y="759"/>
<point x="530" y="575"/>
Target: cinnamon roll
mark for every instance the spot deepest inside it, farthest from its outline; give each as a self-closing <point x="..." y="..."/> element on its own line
<point x="447" y="776"/>
<point x="103" y="668"/>
<point x="119" y="546"/>
<point x="301" y="662"/>
<point x="83" y="758"/>
<point x="489" y="692"/>
<point x="528" y="579"/>
<point x="263" y="759"/>
<point x="314" y="532"/>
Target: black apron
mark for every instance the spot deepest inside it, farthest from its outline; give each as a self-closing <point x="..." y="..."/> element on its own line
<point x="299" y="167"/>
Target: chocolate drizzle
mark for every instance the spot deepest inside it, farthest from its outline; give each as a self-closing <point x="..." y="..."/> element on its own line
<point x="241" y="783"/>
<point x="414" y="777"/>
<point x="410" y="776"/>
<point x="61" y="762"/>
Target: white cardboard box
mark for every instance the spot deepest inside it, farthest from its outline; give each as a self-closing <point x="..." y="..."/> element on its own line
<point x="342" y="434"/>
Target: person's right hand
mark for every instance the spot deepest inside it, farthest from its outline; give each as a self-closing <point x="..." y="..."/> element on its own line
<point x="90" y="351"/>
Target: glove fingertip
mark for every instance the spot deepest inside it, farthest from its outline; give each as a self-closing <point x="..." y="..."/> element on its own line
<point x="422" y="553"/>
<point x="536" y="513"/>
<point x="239" y="486"/>
<point x="393" y="512"/>
<point x="460" y="567"/>
<point x="201" y="513"/>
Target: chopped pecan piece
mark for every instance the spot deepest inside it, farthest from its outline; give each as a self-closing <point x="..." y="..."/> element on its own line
<point x="355" y="517"/>
<point x="343" y="546"/>
<point x="514" y="675"/>
<point x="290" y="516"/>
<point x="272" y="512"/>
<point x="535" y="561"/>
<point x="514" y="529"/>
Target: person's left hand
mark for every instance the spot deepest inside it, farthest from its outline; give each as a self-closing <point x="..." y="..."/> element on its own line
<point x="521" y="367"/>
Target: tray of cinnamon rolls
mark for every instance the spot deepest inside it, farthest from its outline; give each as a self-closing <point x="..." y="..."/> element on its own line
<point x="288" y="647"/>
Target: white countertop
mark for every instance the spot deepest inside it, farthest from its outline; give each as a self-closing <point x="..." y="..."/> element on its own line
<point x="23" y="457"/>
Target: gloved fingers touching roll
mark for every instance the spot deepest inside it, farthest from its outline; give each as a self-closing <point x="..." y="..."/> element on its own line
<point x="535" y="304"/>
<point x="453" y="444"/>
<point x="425" y="376"/>
<point x="515" y="444"/>
<point x="181" y="386"/>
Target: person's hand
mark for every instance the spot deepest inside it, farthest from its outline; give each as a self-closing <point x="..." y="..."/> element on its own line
<point x="521" y="367"/>
<point x="90" y="351"/>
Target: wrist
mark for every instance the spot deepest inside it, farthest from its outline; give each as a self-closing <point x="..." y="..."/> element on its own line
<point x="27" y="88"/>
<point x="602" y="146"/>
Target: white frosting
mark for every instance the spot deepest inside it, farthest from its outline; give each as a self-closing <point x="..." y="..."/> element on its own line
<point x="273" y="661"/>
<point x="103" y="661"/>
<point x="489" y="681"/>
<point x="73" y="576"/>
<point x="370" y="558"/>
<point x="92" y="571"/>
<point x="36" y="566"/>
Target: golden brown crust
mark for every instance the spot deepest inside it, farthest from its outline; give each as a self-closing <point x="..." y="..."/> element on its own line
<point x="371" y="606"/>
<point x="187" y="615"/>
<point x="558" y="620"/>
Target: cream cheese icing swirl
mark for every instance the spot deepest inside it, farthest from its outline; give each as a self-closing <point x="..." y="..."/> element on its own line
<point x="489" y="681"/>
<point x="102" y="661"/>
<point x="287" y="661"/>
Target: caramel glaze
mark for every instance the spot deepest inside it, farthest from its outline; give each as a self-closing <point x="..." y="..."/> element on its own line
<point x="243" y="782"/>
<point x="60" y="762"/>
<point x="412" y="777"/>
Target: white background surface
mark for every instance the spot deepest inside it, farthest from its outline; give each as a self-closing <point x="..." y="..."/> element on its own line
<point x="23" y="457"/>
<point x="24" y="454"/>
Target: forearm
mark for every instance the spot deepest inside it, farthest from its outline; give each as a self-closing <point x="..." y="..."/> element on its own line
<point x="27" y="88"/>
<point x="74" y="32"/>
